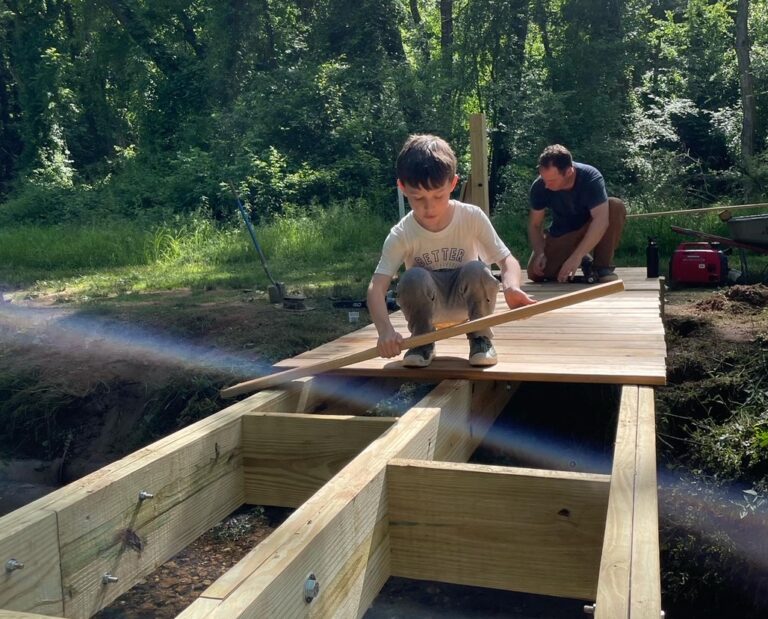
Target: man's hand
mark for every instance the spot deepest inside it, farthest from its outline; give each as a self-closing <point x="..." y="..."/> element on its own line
<point x="569" y="268"/>
<point x="538" y="265"/>
<point x="389" y="344"/>
<point x="515" y="297"/>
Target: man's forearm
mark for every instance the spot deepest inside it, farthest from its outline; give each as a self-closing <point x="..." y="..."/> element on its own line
<point x="536" y="238"/>
<point x="595" y="232"/>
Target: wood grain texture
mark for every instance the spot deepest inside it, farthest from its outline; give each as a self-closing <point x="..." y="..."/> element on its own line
<point x="370" y="352"/>
<point x="516" y="529"/>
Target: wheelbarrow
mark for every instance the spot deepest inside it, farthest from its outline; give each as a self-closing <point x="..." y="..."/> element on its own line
<point x="749" y="233"/>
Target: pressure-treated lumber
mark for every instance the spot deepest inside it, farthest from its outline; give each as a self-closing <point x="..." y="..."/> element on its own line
<point x="516" y="529"/>
<point x="629" y="583"/>
<point x="31" y="538"/>
<point x="288" y="457"/>
<point x="478" y="180"/>
<point x="340" y="534"/>
<point x="68" y="539"/>
<point x="521" y="313"/>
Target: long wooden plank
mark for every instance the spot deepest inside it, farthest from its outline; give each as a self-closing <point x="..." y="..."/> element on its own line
<point x="516" y="529"/>
<point x="419" y="340"/>
<point x="620" y="372"/>
<point x="645" y="580"/>
<point x="288" y="457"/>
<point x="112" y="531"/>
<point x="696" y="211"/>
<point x="612" y="600"/>
<point x="339" y="534"/>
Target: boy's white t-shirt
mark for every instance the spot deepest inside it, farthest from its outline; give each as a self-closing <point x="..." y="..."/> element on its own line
<point x="468" y="237"/>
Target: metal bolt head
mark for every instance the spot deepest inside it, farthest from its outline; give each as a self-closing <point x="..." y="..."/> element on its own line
<point x="12" y="565"/>
<point x="311" y="588"/>
<point x="108" y="578"/>
<point x="144" y="495"/>
<point x="589" y="609"/>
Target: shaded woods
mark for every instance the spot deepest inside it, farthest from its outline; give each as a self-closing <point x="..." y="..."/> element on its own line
<point x="147" y="108"/>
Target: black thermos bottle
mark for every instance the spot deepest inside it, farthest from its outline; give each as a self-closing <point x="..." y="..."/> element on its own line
<point x="652" y="258"/>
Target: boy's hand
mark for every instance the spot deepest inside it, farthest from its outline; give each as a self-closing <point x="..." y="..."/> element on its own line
<point x="389" y="344"/>
<point x="516" y="297"/>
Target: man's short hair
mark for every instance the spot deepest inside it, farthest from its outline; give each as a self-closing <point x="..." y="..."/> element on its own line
<point x="426" y="161"/>
<point x="556" y="155"/>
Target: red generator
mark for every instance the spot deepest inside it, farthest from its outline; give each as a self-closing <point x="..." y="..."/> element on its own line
<point x="698" y="263"/>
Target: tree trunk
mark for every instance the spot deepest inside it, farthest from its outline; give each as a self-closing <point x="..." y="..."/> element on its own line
<point x="423" y="40"/>
<point x="446" y="36"/>
<point x="747" y="85"/>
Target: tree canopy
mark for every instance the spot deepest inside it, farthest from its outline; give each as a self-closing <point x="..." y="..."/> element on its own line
<point x="132" y="106"/>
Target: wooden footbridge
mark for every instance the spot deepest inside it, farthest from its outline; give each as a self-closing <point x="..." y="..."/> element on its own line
<point x="376" y="497"/>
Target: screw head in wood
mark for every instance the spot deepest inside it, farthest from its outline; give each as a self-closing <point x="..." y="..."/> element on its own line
<point x="311" y="588"/>
<point x="12" y="565"/>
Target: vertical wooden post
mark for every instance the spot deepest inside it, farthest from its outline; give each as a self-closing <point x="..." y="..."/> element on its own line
<point x="478" y="137"/>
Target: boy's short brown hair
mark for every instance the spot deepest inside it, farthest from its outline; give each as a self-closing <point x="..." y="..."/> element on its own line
<point x="426" y="161"/>
<point x="556" y="155"/>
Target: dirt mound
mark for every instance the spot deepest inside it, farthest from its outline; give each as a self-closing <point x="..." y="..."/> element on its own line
<point x="717" y="303"/>
<point x="756" y="296"/>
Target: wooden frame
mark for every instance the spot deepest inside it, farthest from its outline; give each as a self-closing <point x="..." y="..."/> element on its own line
<point x="593" y="537"/>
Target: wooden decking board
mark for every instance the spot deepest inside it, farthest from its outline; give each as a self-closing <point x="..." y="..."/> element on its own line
<point x="617" y="339"/>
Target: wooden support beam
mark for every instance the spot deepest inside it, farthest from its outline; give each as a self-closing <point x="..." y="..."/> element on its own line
<point x="461" y="433"/>
<point x="477" y="192"/>
<point x="579" y="296"/>
<point x="629" y="585"/>
<point x="340" y="534"/>
<point x="31" y="537"/>
<point x="517" y="529"/>
<point x="288" y="457"/>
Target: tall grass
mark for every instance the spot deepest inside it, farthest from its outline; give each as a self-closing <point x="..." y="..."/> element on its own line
<point x="191" y="251"/>
<point x="322" y="247"/>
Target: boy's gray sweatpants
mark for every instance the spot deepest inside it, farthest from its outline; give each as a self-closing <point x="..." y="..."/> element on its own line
<point x="447" y="295"/>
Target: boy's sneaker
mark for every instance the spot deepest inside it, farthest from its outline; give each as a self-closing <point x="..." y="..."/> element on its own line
<point x="606" y="275"/>
<point x="481" y="352"/>
<point x="419" y="357"/>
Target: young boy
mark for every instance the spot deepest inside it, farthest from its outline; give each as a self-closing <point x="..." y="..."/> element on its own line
<point x="446" y="246"/>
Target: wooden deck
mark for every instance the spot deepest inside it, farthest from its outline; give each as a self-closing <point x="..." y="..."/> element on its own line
<point x="614" y="339"/>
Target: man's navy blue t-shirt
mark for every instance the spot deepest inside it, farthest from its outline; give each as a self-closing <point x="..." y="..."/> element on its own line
<point x="570" y="209"/>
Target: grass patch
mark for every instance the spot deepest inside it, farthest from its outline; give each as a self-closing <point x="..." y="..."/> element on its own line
<point x="339" y="246"/>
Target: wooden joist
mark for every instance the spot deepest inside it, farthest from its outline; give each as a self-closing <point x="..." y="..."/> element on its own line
<point x="629" y="585"/>
<point x="522" y="530"/>
<point x="287" y="458"/>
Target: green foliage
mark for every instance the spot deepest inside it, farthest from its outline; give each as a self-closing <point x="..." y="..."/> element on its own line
<point x="190" y="251"/>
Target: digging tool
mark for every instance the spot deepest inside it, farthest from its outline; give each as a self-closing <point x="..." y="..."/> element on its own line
<point x="277" y="289"/>
<point x="587" y="294"/>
